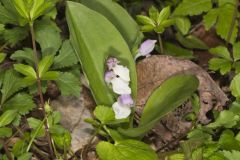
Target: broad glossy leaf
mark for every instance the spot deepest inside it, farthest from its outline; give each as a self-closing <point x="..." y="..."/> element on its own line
<point x="7" y="117"/>
<point x="22" y="8"/>
<point x="118" y="16"/>
<point x="127" y="149"/>
<point x="168" y="96"/>
<point x="193" y="7"/>
<point x="163" y="100"/>
<point x="94" y="45"/>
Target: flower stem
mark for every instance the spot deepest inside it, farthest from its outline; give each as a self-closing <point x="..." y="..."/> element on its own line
<point x="160" y="43"/>
<point x="39" y="86"/>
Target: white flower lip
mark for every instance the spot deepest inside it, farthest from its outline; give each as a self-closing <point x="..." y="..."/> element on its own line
<point x="120" y="86"/>
<point x="122" y="72"/>
<point x="121" y="111"/>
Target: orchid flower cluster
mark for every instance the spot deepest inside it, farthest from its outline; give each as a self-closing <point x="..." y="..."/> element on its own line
<point x="118" y="77"/>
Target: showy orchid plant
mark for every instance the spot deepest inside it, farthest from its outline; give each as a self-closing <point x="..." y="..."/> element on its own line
<point x="109" y="66"/>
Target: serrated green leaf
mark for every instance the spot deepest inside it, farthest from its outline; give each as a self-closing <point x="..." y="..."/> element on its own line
<point x="44" y="65"/>
<point x="145" y="20"/>
<point x="119" y="17"/>
<point x="63" y="141"/>
<point x="11" y="84"/>
<point x="167" y="23"/>
<point x="223" y="2"/>
<point x="220" y="64"/>
<point x="183" y="24"/>
<point x="37" y="126"/>
<point x="163" y="15"/>
<point x="235" y="86"/>
<point x="6" y="16"/>
<point x="224" y="24"/>
<point x="227" y="141"/>
<point x="147" y="28"/>
<point x="231" y="155"/>
<point x="51" y="75"/>
<point x="15" y="35"/>
<point x="48" y="36"/>
<point x="19" y="148"/>
<point x="25" y="70"/>
<point x="222" y="52"/>
<point x="104" y="114"/>
<point x="57" y="130"/>
<point x="210" y="18"/>
<point x="193" y="7"/>
<point x="69" y="84"/>
<point x="128" y="149"/>
<point x="5" y="132"/>
<point x="25" y="156"/>
<point x="25" y="55"/>
<point x="7" y="117"/>
<point x="39" y="7"/>
<point x="2" y="57"/>
<point x="22" y="102"/>
<point x="226" y="119"/>
<point x="94" y="46"/>
<point x="22" y="8"/>
<point x="236" y="51"/>
<point x="153" y="13"/>
<point x="66" y="57"/>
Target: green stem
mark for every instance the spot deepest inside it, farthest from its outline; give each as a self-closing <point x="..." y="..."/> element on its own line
<point x="160" y="43"/>
<point x="39" y="86"/>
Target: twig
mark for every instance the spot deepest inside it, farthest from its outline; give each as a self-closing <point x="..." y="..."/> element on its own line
<point x="39" y="84"/>
<point x="233" y="22"/>
<point x="8" y="154"/>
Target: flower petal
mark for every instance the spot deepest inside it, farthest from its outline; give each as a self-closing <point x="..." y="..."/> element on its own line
<point x="125" y="99"/>
<point x="122" y="72"/>
<point x="120" y="86"/>
<point x="121" y="111"/>
<point x="147" y="47"/>
<point x="112" y="62"/>
<point x="109" y="75"/>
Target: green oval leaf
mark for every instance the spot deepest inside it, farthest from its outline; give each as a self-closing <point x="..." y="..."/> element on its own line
<point x="118" y="16"/>
<point x="7" y="117"/>
<point x="95" y="39"/>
